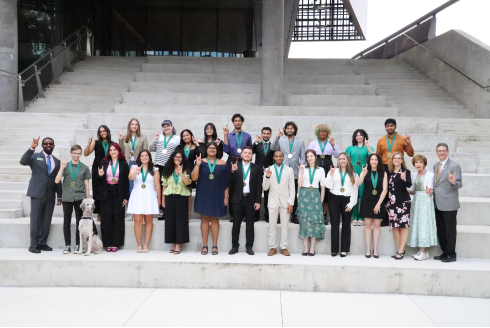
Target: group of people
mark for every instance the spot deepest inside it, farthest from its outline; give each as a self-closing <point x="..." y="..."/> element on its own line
<point x="299" y="185"/>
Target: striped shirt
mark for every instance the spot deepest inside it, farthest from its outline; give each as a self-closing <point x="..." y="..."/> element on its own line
<point x="157" y="147"/>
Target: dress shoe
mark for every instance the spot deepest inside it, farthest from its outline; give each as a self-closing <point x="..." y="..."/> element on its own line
<point x="67" y="250"/>
<point x="233" y="251"/>
<point x="311" y="254"/>
<point x="440" y="257"/>
<point x="278" y="221"/>
<point x="267" y="220"/>
<point x="45" y="248"/>
<point x="34" y="250"/>
<point x="250" y="251"/>
<point x="285" y="252"/>
<point x="272" y="252"/>
<point x="448" y="259"/>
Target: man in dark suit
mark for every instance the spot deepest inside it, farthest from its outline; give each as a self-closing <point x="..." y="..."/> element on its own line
<point x="246" y="183"/>
<point x="263" y="158"/>
<point x="42" y="189"/>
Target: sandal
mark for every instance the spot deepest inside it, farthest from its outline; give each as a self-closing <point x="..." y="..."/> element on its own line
<point x="140" y="249"/>
<point x="172" y="251"/>
<point x="204" y="252"/>
<point x="146" y="249"/>
<point x="360" y="223"/>
<point x="215" y="252"/>
<point x="354" y="223"/>
<point x="399" y="256"/>
<point x="176" y="252"/>
<point x="394" y="256"/>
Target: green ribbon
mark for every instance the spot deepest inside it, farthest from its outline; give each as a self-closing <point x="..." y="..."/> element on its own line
<point x="245" y="174"/>
<point x="74" y="175"/>
<point x="114" y="169"/>
<point x="374" y="180"/>
<point x="342" y="176"/>
<point x="187" y="152"/>
<point x="239" y="140"/>
<point x="291" y="145"/>
<point x="144" y="175"/>
<point x="266" y="149"/>
<point x="133" y="144"/>
<point x="324" y="145"/>
<point x="392" y="142"/>
<point x="165" y="141"/>
<point x="312" y="176"/>
<point x="212" y="166"/>
<point x="176" y="178"/>
<point x="105" y="145"/>
<point x="278" y="174"/>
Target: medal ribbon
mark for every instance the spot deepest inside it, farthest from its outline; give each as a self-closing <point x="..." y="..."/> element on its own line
<point x="144" y="175"/>
<point x="165" y="141"/>
<point x="278" y="174"/>
<point x="390" y="146"/>
<point x="374" y="180"/>
<point x="245" y="174"/>
<point x="187" y="152"/>
<point x="133" y="144"/>
<point x="322" y="148"/>
<point x="176" y="178"/>
<point x="291" y="145"/>
<point x="266" y="149"/>
<point x="212" y="166"/>
<point x="239" y="139"/>
<point x="105" y="145"/>
<point x="114" y="169"/>
<point x="342" y="177"/>
<point x="312" y="176"/>
<point x="74" y="175"/>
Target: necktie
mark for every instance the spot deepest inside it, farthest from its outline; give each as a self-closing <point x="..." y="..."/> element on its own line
<point x="438" y="171"/>
<point x="48" y="162"/>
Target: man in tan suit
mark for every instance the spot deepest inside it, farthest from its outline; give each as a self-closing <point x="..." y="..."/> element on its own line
<point x="279" y="180"/>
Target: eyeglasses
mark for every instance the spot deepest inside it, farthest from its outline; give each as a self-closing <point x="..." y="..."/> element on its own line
<point x="48" y="143"/>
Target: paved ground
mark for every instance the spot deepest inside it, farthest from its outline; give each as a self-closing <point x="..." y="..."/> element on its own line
<point x="191" y="307"/>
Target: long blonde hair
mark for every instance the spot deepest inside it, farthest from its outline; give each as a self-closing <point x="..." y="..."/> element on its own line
<point x="349" y="168"/>
<point x="128" y="132"/>
<point x="391" y="166"/>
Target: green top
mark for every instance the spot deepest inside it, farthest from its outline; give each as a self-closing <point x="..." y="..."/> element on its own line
<point x="358" y="154"/>
<point x="72" y="194"/>
<point x="172" y="189"/>
<point x="419" y="183"/>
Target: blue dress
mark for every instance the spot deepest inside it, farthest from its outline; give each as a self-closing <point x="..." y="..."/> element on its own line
<point x="210" y="194"/>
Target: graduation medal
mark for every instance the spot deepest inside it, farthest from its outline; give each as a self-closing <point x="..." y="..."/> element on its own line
<point x="72" y="184"/>
<point x="211" y="169"/>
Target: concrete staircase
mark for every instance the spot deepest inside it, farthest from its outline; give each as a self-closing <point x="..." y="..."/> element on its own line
<point x="344" y="94"/>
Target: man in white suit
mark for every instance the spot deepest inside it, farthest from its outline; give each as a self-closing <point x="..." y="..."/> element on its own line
<point x="279" y="180"/>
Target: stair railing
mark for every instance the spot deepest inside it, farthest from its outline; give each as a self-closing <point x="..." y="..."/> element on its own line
<point x="48" y="69"/>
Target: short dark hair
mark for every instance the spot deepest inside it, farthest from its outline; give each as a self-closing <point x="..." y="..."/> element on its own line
<point x="390" y="121"/>
<point x="247" y="147"/>
<point x="75" y="147"/>
<point x="266" y="128"/>
<point x="238" y="115"/>
<point x="47" y="138"/>
<point x="442" y="144"/>
<point x="278" y="151"/>
<point x="354" y="135"/>
<point x="293" y="125"/>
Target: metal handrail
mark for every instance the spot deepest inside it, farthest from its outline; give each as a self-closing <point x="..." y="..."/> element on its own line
<point x="406" y="28"/>
<point x="447" y="63"/>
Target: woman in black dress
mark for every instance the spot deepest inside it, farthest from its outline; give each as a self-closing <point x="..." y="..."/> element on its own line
<point x="399" y="203"/>
<point x="101" y="149"/>
<point x="375" y="190"/>
<point x="191" y="149"/>
<point x="211" y="136"/>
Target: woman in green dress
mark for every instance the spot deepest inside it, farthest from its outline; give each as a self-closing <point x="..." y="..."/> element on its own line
<point x="358" y="152"/>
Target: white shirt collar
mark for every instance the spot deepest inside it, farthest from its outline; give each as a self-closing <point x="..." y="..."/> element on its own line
<point x="444" y="163"/>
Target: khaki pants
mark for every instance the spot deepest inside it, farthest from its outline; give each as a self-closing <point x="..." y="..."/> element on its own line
<point x="283" y="212"/>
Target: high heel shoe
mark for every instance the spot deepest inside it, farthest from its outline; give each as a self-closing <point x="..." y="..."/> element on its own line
<point x="393" y="256"/>
<point x="375" y="256"/>
<point x="343" y="255"/>
<point x="401" y="256"/>
<point x="369" y="256"/>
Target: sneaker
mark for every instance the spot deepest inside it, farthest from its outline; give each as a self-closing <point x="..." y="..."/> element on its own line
<point x="416" y="255"/>
<point x="129" y="217"/>
<point x="76" y="249"/>
<point x="421" y="256"/>
<point x="67" y="250"/>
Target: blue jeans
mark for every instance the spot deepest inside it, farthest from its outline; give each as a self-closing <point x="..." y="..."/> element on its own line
<point x="131" y="182"/>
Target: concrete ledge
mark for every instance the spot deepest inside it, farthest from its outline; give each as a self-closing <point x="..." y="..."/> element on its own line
<point x="157" y="269"/>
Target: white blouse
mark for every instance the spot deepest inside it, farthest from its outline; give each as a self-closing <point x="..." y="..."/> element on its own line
<point x="428" y="180"/>
<point x="334" y="184"/>
<point x="318" y="179"/>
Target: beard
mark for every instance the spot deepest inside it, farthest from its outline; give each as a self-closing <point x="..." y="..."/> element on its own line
<point x="48" y="151"/>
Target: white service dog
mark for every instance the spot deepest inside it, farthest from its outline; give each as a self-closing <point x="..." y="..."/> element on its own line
<point x="89" y="238"/>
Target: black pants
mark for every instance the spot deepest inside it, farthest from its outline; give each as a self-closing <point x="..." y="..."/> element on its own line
<point x="229" y="161"/>
<point x="160" y="169"/>
<point x="67" y="211"/>
<point x="243" y="209"/>
<point x="112" y="221"/>
<point x="176" y="219"/>
<point x="446" y="231"/>
<point x="266" y="201"/>
<point x="41" y="216"/>
<point x="295" y="206"/>
<point x="336" y="205"/>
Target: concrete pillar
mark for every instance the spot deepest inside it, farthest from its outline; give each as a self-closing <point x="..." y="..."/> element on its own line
<point x="272" y="52"/>
<point x="8" y="55"/>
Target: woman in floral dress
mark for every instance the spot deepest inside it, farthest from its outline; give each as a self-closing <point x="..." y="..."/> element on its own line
<point x="399" y="203"/>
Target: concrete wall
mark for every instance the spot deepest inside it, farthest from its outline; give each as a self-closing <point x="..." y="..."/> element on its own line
<point x="8" y="55"/>
<point x="465" y="53"/>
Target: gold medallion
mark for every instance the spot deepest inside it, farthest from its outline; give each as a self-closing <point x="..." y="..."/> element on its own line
<point x="244" y="184"/>
<point x="322" y="156"/>
<point x="211" y="176"/>
<point x="311" y="188"/>
<point x="375" y="192"/>
<point x="239" y="150"/>
<point x="113" y="180"/>
<point x="72" y="184"/>
<point x="389" y="155"/>
<point x="358" y="163"/>
<point x="143" y="186"/>
<point x="278" y="187"/>
<point x="342" y="189"/>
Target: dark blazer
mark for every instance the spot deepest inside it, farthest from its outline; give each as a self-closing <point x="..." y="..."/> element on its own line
<point x="123" y="184"/>
<point x="401" y="186"/>
<point x="236" y="184"/>
<point x="261" y="159"/>
<point x="40" y="182"/>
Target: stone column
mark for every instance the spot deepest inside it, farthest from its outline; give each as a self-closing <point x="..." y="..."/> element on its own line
<point x="272" y="52"/>
<point x="8" y="55"/>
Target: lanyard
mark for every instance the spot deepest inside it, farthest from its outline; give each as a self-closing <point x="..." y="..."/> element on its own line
<point x="165" y="141"/>
<point x="374" y="180"/>
<point x="312" y="176"/>
<point x="74" y="175"/>
<point x="278" y="174"/>
<point x="239" y="139"/>
<point x="342" y="176"/>
<point x="266" y="148"/>
<point x="144" y="175"/>
<point x="245" y="174"/>
<point x="187" y="152"/>
<point x="133" y="144"/>
<point x="390" y="146"/>
<point x="105" y="145"/>
<point x="114" y="169"/>
<point x="322" y="147"/>
<point x="212" y="166"/>
<point x="176" y="178"/>
<point x="291" y="145"/>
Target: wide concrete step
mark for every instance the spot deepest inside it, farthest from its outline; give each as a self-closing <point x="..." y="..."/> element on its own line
<point x="27" y="119"/>
<point x="190" y="99"/>
<point x="8" y="195"/>
<point x="14" y="178"/>
<point x="60" y="140"/>
<point x="350" y="101"/>
<point x="70" y="108"/>
<point x="48" y="116"/>
<point x="11" y="213"/>
<point x="10" y="203"/>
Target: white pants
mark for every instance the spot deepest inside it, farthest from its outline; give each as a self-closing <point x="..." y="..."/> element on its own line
<point x="283" y="212"/>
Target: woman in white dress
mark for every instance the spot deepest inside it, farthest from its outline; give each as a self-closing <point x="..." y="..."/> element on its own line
<point x="145" y="199"/>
